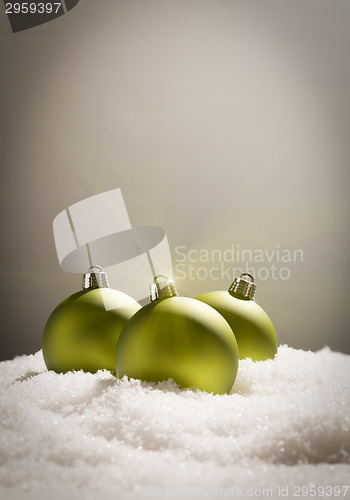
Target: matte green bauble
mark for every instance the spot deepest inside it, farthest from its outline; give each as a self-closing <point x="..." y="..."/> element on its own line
<point x="253" y="329"/>
<point x="83" y="331"/>
<point x="179" y="338"/>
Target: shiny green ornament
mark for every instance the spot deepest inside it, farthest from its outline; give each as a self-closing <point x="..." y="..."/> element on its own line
<point x="253" y="329"/>
<point x="83" y="331"/>
<point x="179" y="338"/>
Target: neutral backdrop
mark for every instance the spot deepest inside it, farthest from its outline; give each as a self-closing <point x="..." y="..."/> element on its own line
<point x="224" y="122"/>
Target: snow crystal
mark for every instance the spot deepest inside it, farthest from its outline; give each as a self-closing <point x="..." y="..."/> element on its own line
<point x="285" y="424"/>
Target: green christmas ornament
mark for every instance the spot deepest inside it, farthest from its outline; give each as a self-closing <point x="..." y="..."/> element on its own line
<point x="253" y="329"/>
<point x="179" y="338"/>
<point x="83" y="331"/>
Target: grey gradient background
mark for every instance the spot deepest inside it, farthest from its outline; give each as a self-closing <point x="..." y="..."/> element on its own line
<point x="222" y="121"/>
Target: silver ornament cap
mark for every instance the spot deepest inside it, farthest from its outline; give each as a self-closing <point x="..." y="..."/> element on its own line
<point x="162" y="288"/>
<point x="243" y="287"/>
<point x="95" y="278"/>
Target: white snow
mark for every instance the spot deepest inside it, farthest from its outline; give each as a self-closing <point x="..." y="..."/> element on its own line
<point x="78" y="435"/>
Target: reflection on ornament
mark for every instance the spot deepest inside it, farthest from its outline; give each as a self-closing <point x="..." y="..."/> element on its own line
<point x="83" y="331"/>
<point x="179" y="338"/>
<point x="253" y="329"/>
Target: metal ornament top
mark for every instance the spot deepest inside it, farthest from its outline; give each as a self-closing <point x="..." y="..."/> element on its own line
<point x="243" y="287"/>
<point x="95" y="278"/>
<point x="162" y="288"/>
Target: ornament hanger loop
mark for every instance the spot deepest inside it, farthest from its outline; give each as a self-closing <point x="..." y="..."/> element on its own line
<point x="249" y="275"/>
<point x="95" y="268"/>
<point x="160" y="276"/>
